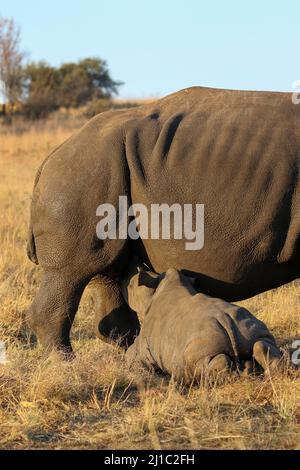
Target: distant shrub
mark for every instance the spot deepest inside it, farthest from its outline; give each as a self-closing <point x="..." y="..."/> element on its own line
<point x="41" y="82"/>
<point x="72" y="85"/>
<point x="97" y="106"/>
<point x="126" y="104"/>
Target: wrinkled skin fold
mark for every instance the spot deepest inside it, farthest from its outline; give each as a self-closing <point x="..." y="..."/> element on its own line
<point x="236" y="152"/>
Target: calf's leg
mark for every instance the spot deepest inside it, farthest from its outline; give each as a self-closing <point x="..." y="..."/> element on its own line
<point x="196" y="365"/>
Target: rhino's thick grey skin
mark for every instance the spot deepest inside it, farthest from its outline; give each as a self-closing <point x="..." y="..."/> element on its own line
<point x="236" y="152"/>
<point x="185" y="333"/>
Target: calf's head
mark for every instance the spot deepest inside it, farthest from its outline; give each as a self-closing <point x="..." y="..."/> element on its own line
<point x="140" y="285"/>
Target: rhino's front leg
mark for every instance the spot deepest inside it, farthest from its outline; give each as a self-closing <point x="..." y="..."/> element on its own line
<point x="115" y="321"/>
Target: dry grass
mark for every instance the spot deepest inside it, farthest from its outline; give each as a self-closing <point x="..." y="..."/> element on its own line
<point x="95" y="402"/>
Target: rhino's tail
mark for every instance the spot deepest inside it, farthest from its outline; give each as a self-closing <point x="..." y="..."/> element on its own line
<point x="31" y="250"/>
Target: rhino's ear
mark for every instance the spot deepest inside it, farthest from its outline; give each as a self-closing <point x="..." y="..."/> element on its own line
<point x="148" y="280"/>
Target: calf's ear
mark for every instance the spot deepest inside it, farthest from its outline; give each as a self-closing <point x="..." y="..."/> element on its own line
<point x="149" y="280"/>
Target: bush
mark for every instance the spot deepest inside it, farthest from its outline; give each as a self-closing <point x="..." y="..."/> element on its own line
<point x="97" y="106"/>
<point x="71" y="85"/>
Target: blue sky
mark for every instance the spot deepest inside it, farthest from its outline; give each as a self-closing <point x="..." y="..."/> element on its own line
<point x="157" y="47"/>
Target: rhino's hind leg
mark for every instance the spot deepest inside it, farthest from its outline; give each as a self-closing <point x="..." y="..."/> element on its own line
<point x="52" y="312"/>
<point x="115" y="321"/>
<point x="267" y="355"/>
<point x="215" y="368"/>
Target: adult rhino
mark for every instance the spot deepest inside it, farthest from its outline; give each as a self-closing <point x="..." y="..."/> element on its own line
<point x="236" y="152"/>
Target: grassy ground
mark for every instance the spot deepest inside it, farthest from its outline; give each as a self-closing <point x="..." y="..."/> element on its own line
<point x="95" y="402"/>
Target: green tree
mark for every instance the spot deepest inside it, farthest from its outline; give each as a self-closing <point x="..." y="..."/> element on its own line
<point x="74" y="87"/>
<point x="41" y="89"/>
<point x="87" y="80"/>
<point x="46" y="88"/>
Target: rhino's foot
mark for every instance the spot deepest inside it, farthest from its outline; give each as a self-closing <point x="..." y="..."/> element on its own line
<point x="267" y="355"/>
<point x="115" y="321"/>
<point x="52" y="312"/>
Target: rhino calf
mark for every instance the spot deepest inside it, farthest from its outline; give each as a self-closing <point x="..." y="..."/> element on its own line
<point x="185" y="333"/>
